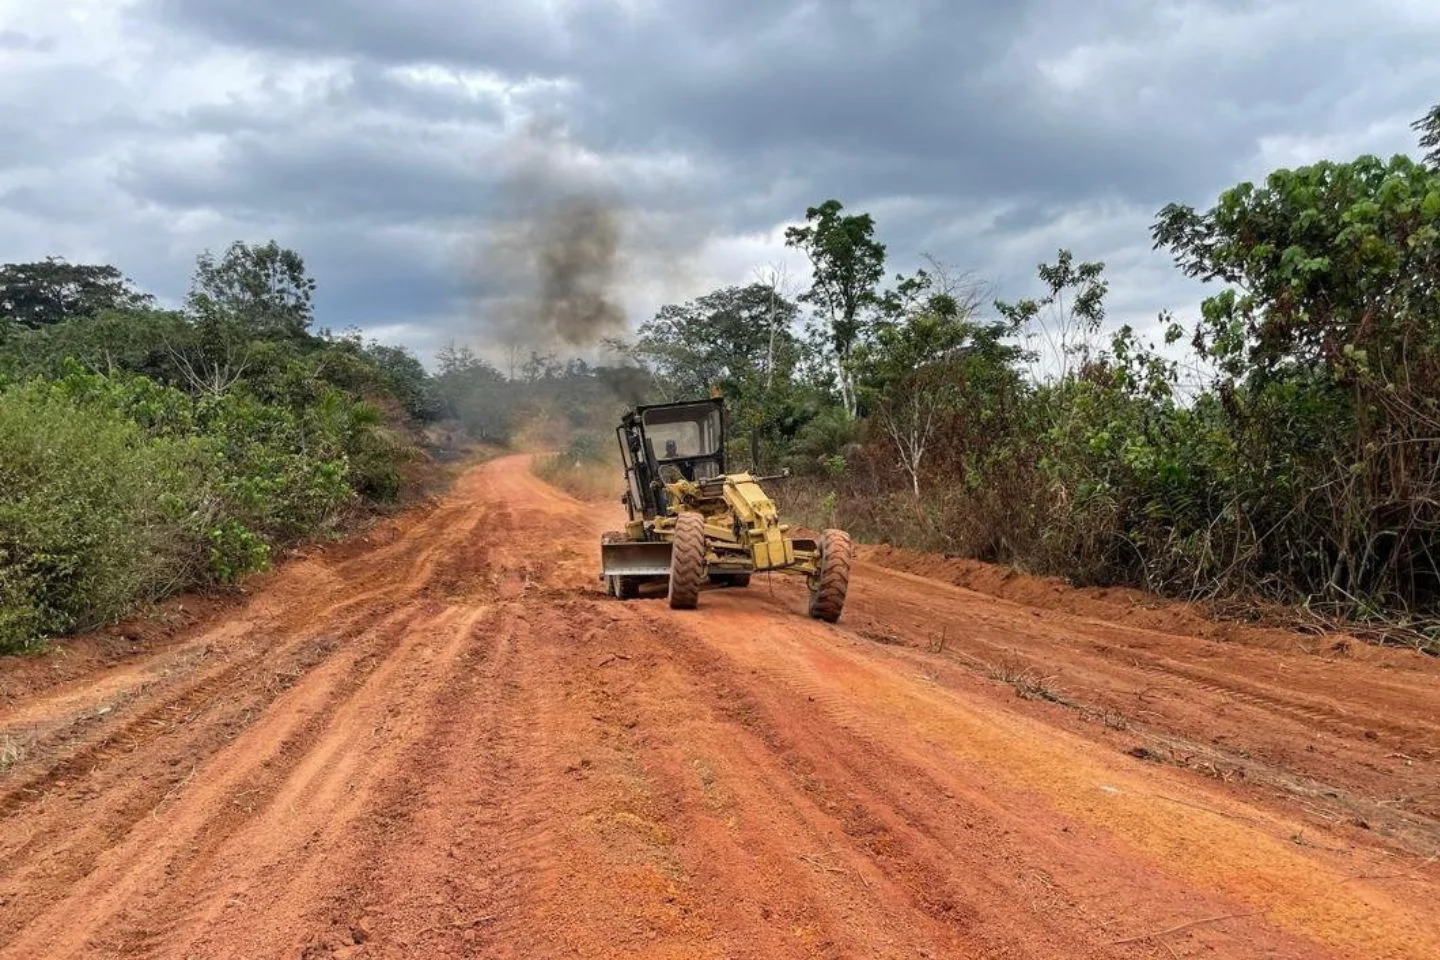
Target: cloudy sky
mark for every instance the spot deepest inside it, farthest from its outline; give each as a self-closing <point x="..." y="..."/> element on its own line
<point x="385" y="140"/>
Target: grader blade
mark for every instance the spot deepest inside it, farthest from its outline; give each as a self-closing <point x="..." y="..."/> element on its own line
<point x="635" y="558"/>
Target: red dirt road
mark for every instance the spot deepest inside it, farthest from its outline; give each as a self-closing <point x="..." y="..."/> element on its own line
<point x="448" y="742"/>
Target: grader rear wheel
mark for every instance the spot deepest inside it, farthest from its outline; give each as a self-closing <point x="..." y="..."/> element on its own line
<point x="832" y="579"/>
<point x="687" y="561"/>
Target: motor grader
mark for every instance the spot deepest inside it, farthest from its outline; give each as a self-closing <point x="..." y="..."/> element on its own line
<point x="693" y="525"/>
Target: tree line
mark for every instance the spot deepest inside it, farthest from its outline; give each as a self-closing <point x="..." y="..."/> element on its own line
<point x="145" y="450"/>
<point x="1297" y="461"/>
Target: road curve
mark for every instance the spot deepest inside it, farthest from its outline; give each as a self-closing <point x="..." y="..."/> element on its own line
<point x="448" y="742"/>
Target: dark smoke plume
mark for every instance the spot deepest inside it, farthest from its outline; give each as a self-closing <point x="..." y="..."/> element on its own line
<point x="551" y="262"/>
<point x="578" y="257"/>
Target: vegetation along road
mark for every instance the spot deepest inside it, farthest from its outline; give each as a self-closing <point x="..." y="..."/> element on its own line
<point x="445" y="740"/>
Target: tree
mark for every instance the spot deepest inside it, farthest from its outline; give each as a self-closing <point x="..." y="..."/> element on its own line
<point x="1327" y="341"/>
<point x="262" y="290"/>
<point x="51" y="291"/>
<point x="253" y="300"/>
<point x="1068" y="316"/>
<point x="737" y="340"/>
<point x="475" y="393"/>
<point x="924" y="356"/>
<point x="1334" y="264"/>
<point x="111" y="341"/>
<point x="405" y="378"/>
<point x="779" y="315"/>
<point x="1428" y="127"/>
<point x="454" y="360"/>
<point x="541" y="366"/>
<point x="848" y="263"/>
<point x="726" y="338"/>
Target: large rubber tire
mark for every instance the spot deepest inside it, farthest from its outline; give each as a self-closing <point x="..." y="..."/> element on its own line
<point x="828" y="588"/>
<point x="687" y="561"/>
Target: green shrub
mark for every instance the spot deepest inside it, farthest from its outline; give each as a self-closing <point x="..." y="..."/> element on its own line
<point x="93" y="515"/>
<point x="586" y="446"/>
<point x="143" y="451"/>
<point x="118" y="490"/>
<point x="235" y="550"/>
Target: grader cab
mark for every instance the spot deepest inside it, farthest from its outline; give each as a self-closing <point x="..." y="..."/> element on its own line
<point x="693" y="524"/>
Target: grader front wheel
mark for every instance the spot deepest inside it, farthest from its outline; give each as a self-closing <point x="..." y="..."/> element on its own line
<point x="832" y="579"/>
<point x="687" y="561"/>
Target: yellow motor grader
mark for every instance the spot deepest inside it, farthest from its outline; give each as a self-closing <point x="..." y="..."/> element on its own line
<point x="694" y="525"/>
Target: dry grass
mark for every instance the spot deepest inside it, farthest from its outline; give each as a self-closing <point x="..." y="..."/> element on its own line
<point x="541" y="433"/>
<point x="592" y="480"/>
<point x="1028" y="683"/>
<point x="12" y="751"/>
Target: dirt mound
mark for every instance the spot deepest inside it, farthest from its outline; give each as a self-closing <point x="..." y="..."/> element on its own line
<point x="1123" y="605"/>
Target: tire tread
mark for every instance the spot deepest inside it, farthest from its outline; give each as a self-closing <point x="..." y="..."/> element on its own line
<point x="687" y="561"/>
<point x="832" y="582"/>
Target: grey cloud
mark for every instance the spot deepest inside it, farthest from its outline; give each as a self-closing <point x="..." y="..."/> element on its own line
<point x="988" y="121"/>
<point x="520" y="39"/>
<point x="345" y="181"/>
<point x="382" y="89"/>
<point x="17" y="41"/>
<point x="53" y="112"/>
<point x="978" y="128"/>
<point x="369" y="282"/>
<point x="916" y="96"/>
<point x="359" y="95"/>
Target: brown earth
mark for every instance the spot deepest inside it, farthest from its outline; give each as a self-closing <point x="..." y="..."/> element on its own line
<point x="447" y="741"/>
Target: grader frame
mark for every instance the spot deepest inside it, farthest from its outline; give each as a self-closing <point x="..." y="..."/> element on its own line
<point x="693" y="524"/>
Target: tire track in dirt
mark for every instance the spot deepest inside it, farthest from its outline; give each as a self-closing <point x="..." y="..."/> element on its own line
<point x="456" y="835"/>
<point x="187" y="725"/>
<point x="264" y="630"/>
<point x="102" y="785"/>
<point x="851" y="867"/>
<point x="961" y="855"/>
<point x="285" y="873"/>
<point x="1306" y="893"/>
<point x="256" y="806"/>
<point x="450" y="743"/>
<point x="149" y="820"/>
<point x="1128" y="648"/>
<point x="1376" y="765"/>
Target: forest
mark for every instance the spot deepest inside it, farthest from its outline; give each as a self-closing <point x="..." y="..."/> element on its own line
<point x="145" y="450"/>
